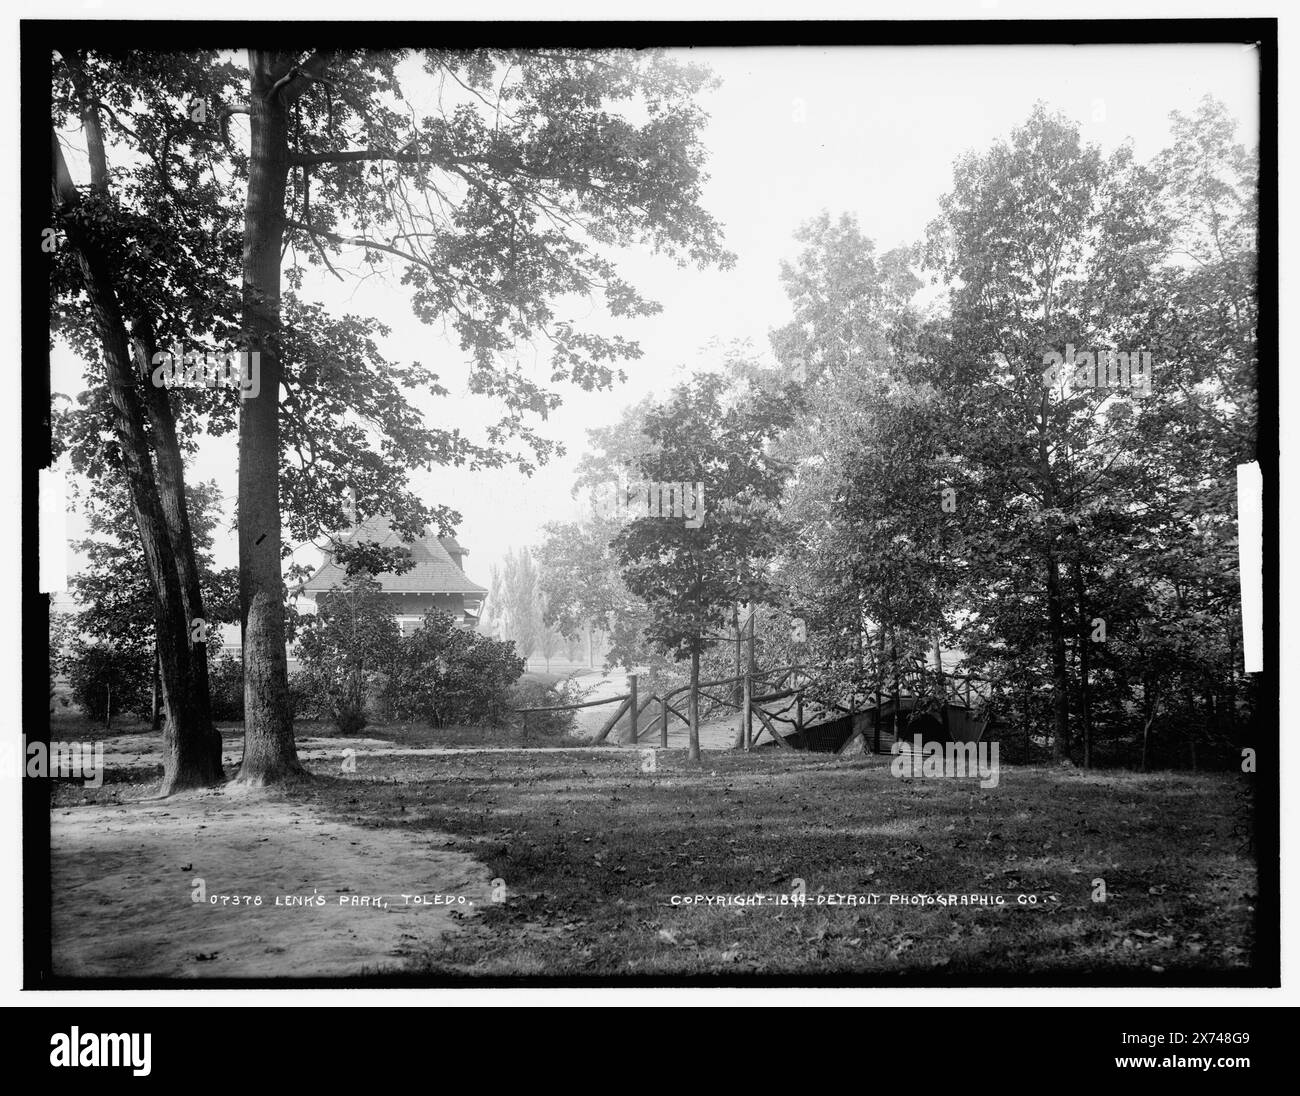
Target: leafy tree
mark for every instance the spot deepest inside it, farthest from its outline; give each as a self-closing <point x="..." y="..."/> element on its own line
<point x="1046" y="245"/>
<point x="106" y="681"/>
<point x="520" y="612"/>
<point x="351" y="638"/>
<point x="118" y="262"/>
<point x="578" y="573"/>
<point x="61" y="635"/>
<point x="490" y="619"/>
<point x="692" y="577"/>
<point x="529" y="168"/>
<point x="549" y="641"/>
<point x="497" y="205"/>
<point x="864" y="502"/>
<point x="844" y="297"/>
<point x="114" y="588"/>
<point x="1088" y="540"/>
<point x="444" y="674"/>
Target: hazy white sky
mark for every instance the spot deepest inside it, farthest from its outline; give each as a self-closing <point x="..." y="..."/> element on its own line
<point x="793" y="131"/>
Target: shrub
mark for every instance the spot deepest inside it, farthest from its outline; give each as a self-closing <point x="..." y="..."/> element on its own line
<point x="444" y="674"/>
<point x="107" y="682"/>
<point x="60" y="634"/>
<point x="302" y="700"/>
<point x="226" y="687"/>
<point x="536" y="694"/>
<point x="352" y="637"/>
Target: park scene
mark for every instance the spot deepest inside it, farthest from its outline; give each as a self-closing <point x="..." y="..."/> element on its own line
<point x="602" y="514"/>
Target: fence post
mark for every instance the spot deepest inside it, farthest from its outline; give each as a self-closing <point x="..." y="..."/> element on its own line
<point x="798" y="715"/>
<point x="524" y="736"/>
<point x="632" y="709"/>
<point x="663" y="720"/>
<point x="746" y="715"/>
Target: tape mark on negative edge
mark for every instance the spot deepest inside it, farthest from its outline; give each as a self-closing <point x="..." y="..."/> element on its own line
<point x="53" y="530"/>
<point x="1250" y="561"/>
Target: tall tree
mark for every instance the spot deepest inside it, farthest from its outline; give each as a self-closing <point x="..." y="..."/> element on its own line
<point x="114" y="591"/>
<point x="524" y="188"/>
<point x="1047" y="247"/>
<point x="520" y="608"/>
<point x="692" y="564"/>
<point x="501" y="202"/>
<point x="111" y="260"/>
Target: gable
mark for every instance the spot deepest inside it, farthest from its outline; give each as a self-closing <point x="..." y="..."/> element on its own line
<point x="434" y="570"/>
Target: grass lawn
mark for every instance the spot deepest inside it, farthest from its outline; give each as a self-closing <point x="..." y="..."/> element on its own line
<point x="593" y="850"/>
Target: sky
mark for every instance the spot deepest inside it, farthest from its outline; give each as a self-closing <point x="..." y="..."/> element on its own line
<point x="792" y="131"/>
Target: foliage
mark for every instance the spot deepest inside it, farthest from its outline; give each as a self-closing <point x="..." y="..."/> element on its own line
<point x="114" y="588"/>
<point x="108" y="681"/>
<point x="443" y="674"/>
<point x="532" y="693"/>
<point x="226" y="684"/>
<point x="690" y="578"/>
<point x="351" y="638"/>
<point x="1073" y="544"/>
<point x="61" y="633"/>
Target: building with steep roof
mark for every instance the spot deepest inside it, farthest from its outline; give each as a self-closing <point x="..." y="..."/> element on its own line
<point x="436" y="581"/>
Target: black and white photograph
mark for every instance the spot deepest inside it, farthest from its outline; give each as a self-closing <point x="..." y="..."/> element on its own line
<point x="648" y="505"/>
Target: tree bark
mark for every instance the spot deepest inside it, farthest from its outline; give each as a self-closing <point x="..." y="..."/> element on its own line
<point x="155" y="709"/>
<point x="1060" y="670"/>
<point x="942" y="685"/>
<point x="735" y="627"/>
<point x="1153" y="705"/>
<point x="171" y="496"/>
<point x="693" y="754"/>
<point x="269" y="752"/>
<point x="1085" y="662"/>
<point x="188" y="760"/>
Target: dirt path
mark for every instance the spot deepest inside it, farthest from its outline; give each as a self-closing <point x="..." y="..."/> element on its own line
<point x="123" y="876"/>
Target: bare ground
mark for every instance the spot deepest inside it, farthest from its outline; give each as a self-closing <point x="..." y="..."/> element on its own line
<point x="122" y="876"/>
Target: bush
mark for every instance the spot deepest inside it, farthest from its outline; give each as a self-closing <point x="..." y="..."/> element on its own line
<point x="349" y="640"/>
<point x="302" y="701"/>
<point x="107" y="682"/>
<point x="536" y="694"/>
<point x="226" y="687"/>
<point x="444" y="675"/>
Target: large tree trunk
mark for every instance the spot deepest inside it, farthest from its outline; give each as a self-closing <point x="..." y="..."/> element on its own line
<point x="269" y="752"/>
<point x="171" y="495"/>
<point x="188" y="759"/>
<point x="155" y="708"/>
